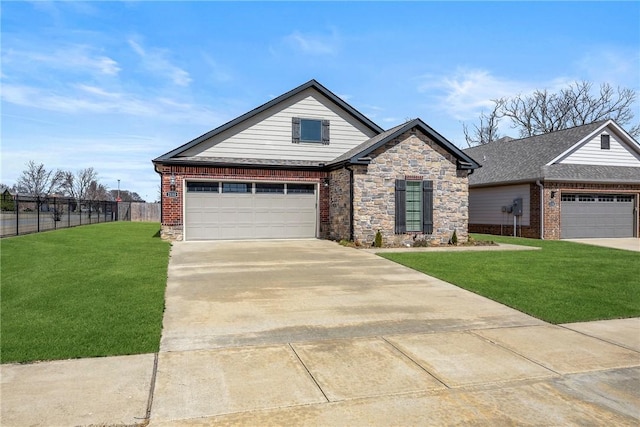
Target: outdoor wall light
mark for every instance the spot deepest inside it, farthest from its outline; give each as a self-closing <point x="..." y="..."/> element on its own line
<point x="325" y="182"/>
<point x="172" y="182"/>
<point x="553" y="194"/>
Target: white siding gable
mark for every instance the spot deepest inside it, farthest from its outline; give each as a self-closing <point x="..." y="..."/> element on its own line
<point x="485" y="204"/>
<point x="589" y="152"/>
<point x="267" y="135"/>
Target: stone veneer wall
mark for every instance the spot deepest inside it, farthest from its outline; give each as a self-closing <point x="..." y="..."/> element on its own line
<point x="410" y="155"/>
<point x="172" y="208"/>
<point x="339" y="205"/>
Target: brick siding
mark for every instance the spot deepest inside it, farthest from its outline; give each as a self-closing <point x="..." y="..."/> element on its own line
<point x="172" y="208"/>
<point x="553" y="208"/>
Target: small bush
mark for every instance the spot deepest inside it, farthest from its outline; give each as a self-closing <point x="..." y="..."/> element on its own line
<point x="422" y="243"/>
<point x="454" y="238"/>
<point x="378" y="241"/>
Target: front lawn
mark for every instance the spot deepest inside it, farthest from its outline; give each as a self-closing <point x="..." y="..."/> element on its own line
<point x="95" y="290"/>
<point x="562" y="282"/>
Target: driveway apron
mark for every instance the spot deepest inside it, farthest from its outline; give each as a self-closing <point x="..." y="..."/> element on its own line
<point x="307" y="332"/>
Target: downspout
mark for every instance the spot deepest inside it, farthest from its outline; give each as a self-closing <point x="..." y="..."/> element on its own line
<point x="351" y="232"/>
<point x="539" y="184"/>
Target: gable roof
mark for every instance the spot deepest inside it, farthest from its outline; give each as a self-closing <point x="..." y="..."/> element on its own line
<point x="358" y="154"/>
<point x="509" y="161"/>
<point x="310" y="84"/>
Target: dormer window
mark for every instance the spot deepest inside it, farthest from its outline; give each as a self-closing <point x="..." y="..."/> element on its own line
<point x="604" y="142"/>
<point x="310" y="130"/>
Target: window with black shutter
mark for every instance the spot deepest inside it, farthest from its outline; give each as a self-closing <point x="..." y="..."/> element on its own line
<point x="310" y="130"/>
<point x="414" y="206"/>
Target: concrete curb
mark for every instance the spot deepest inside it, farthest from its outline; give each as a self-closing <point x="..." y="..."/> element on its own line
<point x="498" y="247"/>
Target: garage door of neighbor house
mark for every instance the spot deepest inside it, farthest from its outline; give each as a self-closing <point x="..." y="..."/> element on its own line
<point x="597" y="215"/>
<point x="249" y="210"/>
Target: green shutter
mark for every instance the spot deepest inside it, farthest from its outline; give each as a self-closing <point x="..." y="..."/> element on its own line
<point x="325" y="132"/>
<point x="295" y="129"/>
<point x="427" y="207"/>
<point x="401" y="201"/>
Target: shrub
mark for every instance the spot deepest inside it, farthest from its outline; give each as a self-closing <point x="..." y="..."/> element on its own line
<point x="422" y="243"/>
<point x="454" y="238"/>
<point x="378" y="241"/>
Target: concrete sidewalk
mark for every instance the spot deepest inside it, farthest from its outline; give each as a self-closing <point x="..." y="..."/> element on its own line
<point x="311" y="333"/>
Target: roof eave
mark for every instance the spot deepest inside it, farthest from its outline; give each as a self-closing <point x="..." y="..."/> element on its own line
<point x="461" y="158"/>
<point x="206" y="163"/>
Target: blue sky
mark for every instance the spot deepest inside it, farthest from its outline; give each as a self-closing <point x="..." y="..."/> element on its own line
<point x="112" y="85"/>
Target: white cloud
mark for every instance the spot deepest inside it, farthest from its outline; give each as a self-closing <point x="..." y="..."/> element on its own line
<point x="88" y="99"/>
<point x="155" y="60"/>
<point x="468" y="91"/>
<point x="314" y="44"/>
<point x="605" y="64"/>
<point x="74" y="58"/>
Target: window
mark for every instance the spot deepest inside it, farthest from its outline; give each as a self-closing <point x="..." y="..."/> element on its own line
<point x="300" y="189"/>
<point x="262" y="188"/>
<point x="309" y="130"/>
<point x="586" y="198"/>
<point x="625" y="199"/>
<point x="568" y="198"/>
<point x="414" y="206"/>
<point x="606" y="198"/>
<point x="208" y="187"/>
<point x="604" y="142"/>
<point x="236" y="187"/>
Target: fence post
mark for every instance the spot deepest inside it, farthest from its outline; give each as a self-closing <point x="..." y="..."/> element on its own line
<point x="68" y="213"/>
<point x="17" y="215"/>
<point x="38" y="212"/>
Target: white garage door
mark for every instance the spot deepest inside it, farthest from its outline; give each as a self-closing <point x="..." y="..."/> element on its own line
<point x="599" y="215"/>
<point x="248" y="210"/>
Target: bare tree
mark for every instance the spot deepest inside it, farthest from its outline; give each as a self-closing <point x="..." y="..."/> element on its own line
<point x="97" y="191"/>
<point x="38" y="182"/>
<point x="4" y="187"/>
<point x="487" y="130"/>
<point x="544" y="111"/>
<point x="576" y="105"/>
<point x="77" y="185"/>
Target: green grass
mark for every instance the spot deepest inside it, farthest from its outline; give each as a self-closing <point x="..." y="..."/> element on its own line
<point x="95" y="290"/>
<point x="562" y="282"/>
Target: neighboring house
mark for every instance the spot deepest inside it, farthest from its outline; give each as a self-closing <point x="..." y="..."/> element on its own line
<point x="307" y="164"/>
<point x="575" y="183"/>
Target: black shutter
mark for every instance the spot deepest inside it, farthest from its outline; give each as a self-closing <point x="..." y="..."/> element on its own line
<point x="325" y="132"/>
<point x="295" y="130"/>
<point x="401" y="206"/>
<point x="427" y="207"/>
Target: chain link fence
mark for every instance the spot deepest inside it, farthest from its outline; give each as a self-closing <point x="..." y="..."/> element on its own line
<point x="25" y="214"/>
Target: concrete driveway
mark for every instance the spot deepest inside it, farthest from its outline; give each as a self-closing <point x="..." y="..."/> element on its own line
<point x="310" y="333"/>
<point x="626" y="243"/>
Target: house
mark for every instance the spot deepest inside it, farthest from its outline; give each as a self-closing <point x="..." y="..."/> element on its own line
<point x="307" y="164"/>
<point x="575" y="183"/>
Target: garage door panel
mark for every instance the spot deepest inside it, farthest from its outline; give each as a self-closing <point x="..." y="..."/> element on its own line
<point x="598" y="218"/>
<point x="216" y="216"/>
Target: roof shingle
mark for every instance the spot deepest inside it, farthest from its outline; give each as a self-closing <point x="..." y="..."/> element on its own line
<point x="523" y="160"/>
